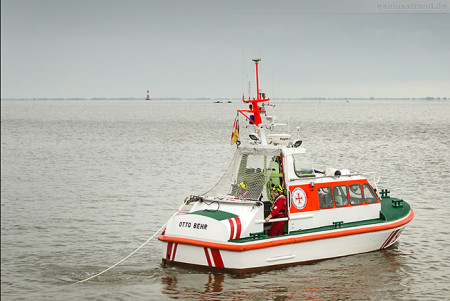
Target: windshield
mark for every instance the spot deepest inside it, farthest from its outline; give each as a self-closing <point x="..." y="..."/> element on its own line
<point x="303" y="166"/>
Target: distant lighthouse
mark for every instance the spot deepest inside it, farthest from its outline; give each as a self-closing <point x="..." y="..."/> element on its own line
<point x="148" y="97"/>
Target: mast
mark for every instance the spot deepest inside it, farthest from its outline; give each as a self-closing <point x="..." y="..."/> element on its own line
<point x="260" y="97"/>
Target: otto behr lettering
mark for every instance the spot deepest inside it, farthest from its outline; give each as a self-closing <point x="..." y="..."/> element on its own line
<point x="195" y="225"/>
<point x="184" y="224"/>
<point x="200" y="226"/>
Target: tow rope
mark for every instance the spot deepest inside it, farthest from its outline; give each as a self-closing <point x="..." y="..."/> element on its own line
<point x="137" y="249"/>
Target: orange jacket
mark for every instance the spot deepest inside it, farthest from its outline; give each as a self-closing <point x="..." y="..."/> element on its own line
<point x="279" y="206"/>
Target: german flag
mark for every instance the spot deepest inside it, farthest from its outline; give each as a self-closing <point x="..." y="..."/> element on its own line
<point x="235" y="132"/>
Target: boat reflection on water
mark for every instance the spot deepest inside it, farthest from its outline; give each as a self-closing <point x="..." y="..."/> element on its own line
<point x="192" y="284"/>
<point x="370" y="276"/>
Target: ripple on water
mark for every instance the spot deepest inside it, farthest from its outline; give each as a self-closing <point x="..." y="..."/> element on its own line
<point x="85" y="183"/>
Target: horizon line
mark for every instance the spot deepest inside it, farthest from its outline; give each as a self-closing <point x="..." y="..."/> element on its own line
<point x="222" y="98"/>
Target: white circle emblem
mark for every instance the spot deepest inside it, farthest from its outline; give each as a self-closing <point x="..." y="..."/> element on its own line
<point x="299" y="198"/>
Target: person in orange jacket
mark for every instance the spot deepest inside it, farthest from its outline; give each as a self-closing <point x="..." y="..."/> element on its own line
<point x="278" y="210"/>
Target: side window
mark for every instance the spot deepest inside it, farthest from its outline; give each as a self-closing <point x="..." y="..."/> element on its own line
<point x="355" y="192"/>
<point x="369" y="195"/>
<point x="340" y="196"/>
<point x="325" y="197"/>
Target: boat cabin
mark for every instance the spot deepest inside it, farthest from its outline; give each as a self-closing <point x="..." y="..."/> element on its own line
<point x="314" y="198"/>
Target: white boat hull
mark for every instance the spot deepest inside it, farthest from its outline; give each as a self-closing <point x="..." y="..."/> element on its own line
<point x="286" y="254"/>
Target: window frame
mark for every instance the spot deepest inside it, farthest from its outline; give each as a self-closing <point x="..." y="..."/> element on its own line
<point x="301" y="159"/>
<point x="373" y="194"/>
<point x="326" y="201"/>
<point x="361" y="202"/>
<point x="347" y="195"/>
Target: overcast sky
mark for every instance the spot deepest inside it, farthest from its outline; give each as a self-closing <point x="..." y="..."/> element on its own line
<point x="193" y="48"/>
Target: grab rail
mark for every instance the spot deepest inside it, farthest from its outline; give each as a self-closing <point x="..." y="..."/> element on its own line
<point x="261" y="221"/>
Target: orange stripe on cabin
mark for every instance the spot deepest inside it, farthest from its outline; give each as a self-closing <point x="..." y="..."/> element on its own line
<point x="312" y="203"/>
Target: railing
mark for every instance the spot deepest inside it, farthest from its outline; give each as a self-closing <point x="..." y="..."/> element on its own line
<point x="261" y="221"/>
<point x="273" y="220"/>
<point x="376" y="179"/>
<point x="223" y="199"/>
<point x="315" y="177"/>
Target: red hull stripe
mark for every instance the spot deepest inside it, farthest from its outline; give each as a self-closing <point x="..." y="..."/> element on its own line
<point x="237" y="247"/>
<point x="174" y="251"/>
<point x="213" y="258"/>
<point x="389" y="239"/>
<point x="238" y="223"/>
<point x="232" y="228"/>
<point x="217" y="258"/>
<point x="235" y="225"/>
<point x="208" y="259"/>
<point x="397" y="235"/>
<point x="169" y="250"/>
<point x="394" y="238"/>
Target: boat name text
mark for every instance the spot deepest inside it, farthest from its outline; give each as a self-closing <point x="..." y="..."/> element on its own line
<point x="193" y="225"/>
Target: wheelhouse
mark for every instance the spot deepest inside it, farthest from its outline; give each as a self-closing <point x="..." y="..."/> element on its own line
<point x="314" y="198"/>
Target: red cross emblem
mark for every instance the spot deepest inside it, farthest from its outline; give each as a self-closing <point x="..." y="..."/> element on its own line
<point x="299" y="198"/>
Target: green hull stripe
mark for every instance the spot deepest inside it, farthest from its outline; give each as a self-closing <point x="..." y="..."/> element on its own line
<point x="217" y="215"/>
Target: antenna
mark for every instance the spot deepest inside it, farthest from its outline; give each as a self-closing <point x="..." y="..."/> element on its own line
<point x="243" y="71"/>
<point x="257" y="60"/>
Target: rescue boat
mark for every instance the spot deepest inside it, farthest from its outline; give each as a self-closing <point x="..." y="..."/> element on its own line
<point x="329" y="213"/>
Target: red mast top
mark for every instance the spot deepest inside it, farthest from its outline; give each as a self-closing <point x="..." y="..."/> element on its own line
<point x="260" y="97"/>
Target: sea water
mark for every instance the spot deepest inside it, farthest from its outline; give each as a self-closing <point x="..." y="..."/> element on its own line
<point x="84" y="183"/>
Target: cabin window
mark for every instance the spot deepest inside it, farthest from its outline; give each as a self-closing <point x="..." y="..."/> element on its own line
<point x="303" y="166"/>
<point x="369" y="195"/>
<point x="355" y="192"/>
<point x="325" y="197"/>
<point x="340" y="196"/>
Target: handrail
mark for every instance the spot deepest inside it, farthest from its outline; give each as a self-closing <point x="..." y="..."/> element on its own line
<point x="228" y="199"/>
<point x="334" y="177"/>
<point x="261" y="221"/>
<point x="375" y="178"/>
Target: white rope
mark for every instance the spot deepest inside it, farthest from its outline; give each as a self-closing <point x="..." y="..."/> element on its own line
<point x="129" y="255"/>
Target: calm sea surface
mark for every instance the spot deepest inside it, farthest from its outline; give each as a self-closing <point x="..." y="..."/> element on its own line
<point x="84" y="183"/>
